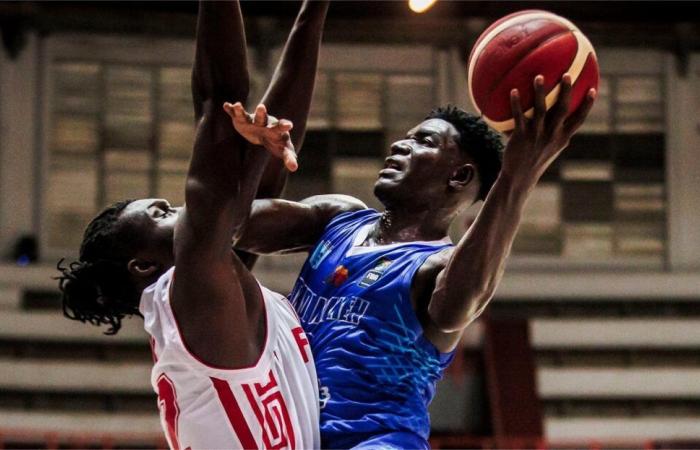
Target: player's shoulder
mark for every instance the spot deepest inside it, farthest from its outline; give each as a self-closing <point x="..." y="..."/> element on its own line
<point x="435" y="263"/>
<point x="338" y="203"/>
<point x="330" y="206"/>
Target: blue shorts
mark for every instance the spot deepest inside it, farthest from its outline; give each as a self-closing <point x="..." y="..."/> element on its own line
<point x="393" y="441"/>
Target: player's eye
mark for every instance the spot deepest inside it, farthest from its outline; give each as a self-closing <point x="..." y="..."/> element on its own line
<point x="427" y="140"/>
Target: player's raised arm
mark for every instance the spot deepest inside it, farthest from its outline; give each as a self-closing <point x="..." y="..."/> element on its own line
<point x="289" y="96"/>
<point x="220" y="66"/>
<point x="281" y="226"/>
<point x="291" y="88"/>
<point x="211" y="288"/>
<point x="277" y="225"/>
<point x="219" y="75"/>
<point x="467" y="283"/>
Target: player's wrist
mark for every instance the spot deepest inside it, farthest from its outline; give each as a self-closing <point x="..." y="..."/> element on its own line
<point x="518" y="183"/>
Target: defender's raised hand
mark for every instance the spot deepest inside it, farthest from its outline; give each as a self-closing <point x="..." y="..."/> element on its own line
<point x="265" y="130"/>
<point x="536" y="142"/>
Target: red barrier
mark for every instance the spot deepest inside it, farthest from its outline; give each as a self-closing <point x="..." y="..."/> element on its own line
<point x="11" y="438"/>
<point x="490" y="443"/>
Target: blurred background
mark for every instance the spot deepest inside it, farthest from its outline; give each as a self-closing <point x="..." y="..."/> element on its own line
<point x="593" y="339"/>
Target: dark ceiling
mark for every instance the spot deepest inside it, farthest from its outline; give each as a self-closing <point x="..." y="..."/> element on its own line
<point x="606" y="11"/>
<point x="670" y="25"/>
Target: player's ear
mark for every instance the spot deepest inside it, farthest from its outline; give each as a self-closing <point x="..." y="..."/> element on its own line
<point x="462" y="176"/>
<point x="140" y="268"/>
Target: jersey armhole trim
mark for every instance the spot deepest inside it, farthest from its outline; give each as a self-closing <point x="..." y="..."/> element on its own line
<point x="348" y="216"/>
<point x="407" y="281"/>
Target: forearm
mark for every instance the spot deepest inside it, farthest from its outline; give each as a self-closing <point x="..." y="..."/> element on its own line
<point x="256" y="160"/>
<point x="220" y="70"/>
<point x="219" y="74"/>
<point x="467" y="283"/>
<point x="221" y="185"/>
<point x="218" y="171"/>
<point x="291" y="89"/>
<point x="465" y="286"/>
<point x="303" y="224"/>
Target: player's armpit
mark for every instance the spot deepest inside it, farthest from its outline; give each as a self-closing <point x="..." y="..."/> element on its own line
<point x="207" y="297"/>
<point x="422" y="290"/>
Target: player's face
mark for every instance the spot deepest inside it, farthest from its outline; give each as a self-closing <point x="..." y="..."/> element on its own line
<point x="155" y="220"/>
<point x="416" y="173"/>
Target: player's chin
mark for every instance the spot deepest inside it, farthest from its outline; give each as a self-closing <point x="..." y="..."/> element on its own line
<point x="382" y="184"/>
<point x="386" y="189"/>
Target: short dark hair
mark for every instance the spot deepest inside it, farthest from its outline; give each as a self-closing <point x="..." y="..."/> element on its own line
<point x="476" y="139"/>
<point x="97" y="288"/>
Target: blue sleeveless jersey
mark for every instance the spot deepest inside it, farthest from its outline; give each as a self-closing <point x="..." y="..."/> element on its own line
<point x="376" y="369"/>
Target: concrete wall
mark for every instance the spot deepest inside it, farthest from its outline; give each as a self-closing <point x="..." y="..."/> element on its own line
<point x="19" y="105"/>
<point x="683" y="164"/>
<point x="23" y="131"/>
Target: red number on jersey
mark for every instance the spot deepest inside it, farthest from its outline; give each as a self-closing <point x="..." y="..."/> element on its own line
<point x="270" y="411"/>
<point x="302" y="342"/>
<point x="167" y="402"/>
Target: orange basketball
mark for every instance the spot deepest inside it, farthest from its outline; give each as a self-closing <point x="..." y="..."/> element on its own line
<point x="517" y="48"/>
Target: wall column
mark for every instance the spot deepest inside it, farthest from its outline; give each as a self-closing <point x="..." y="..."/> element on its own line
<point x="683" y="164"/>
<point x="18" y="101"/>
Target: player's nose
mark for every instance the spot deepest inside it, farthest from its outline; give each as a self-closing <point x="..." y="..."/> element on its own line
<point x="400" y="148"/>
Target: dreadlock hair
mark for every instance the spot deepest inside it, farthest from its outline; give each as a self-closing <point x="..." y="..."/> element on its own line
<point x="97" y="288"/>
<point x="476" y="139"/>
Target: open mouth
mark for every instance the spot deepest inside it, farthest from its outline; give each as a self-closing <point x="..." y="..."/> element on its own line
<point x="391" y="163"/>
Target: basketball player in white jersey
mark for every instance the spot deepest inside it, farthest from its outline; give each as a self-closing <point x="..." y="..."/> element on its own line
<point x="232" y="364"/>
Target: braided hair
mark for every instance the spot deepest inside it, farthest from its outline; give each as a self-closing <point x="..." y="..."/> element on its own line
<point x="97" y="288"/>
<point x="478" y="141"/>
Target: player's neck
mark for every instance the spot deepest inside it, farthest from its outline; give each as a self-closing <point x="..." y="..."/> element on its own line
<point x="404" y="226"/>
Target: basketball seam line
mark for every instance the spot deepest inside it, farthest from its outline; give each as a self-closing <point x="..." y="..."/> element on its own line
<point x="586" y="49"/>
<point x="495" y="85"/>
<point x="494" y="30"/>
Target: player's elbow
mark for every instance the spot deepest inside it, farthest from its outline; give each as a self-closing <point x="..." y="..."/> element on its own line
<point x="450" y="323"/>
<point x="450" y="320"/>
<point x="202" y="195"/>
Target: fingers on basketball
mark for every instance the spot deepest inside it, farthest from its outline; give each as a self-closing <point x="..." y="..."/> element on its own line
<point x="540" y="102"/>
<point x="575" y="120"/>
<point x="561" y="108"/>
<point x="517" y="111"/>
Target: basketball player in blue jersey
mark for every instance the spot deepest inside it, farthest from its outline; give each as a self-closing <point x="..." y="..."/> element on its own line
<point x="384" y="297"/>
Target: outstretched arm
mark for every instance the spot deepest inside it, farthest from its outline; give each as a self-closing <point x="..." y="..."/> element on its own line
<point x="220" y="67"/>
<point x="289" y="95"/>
<point x="212" y="289"/>
<point x="468" y="282"/>
<point x="291" y="88"/>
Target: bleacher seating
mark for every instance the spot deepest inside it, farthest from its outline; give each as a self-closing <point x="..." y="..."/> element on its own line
<point x="619" y="376"/>
<point x="606" y="369"/>
<point x="67" y="381"/>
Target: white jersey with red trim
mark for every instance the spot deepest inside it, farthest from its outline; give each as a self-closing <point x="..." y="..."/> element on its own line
<point x="273" y="404"/>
